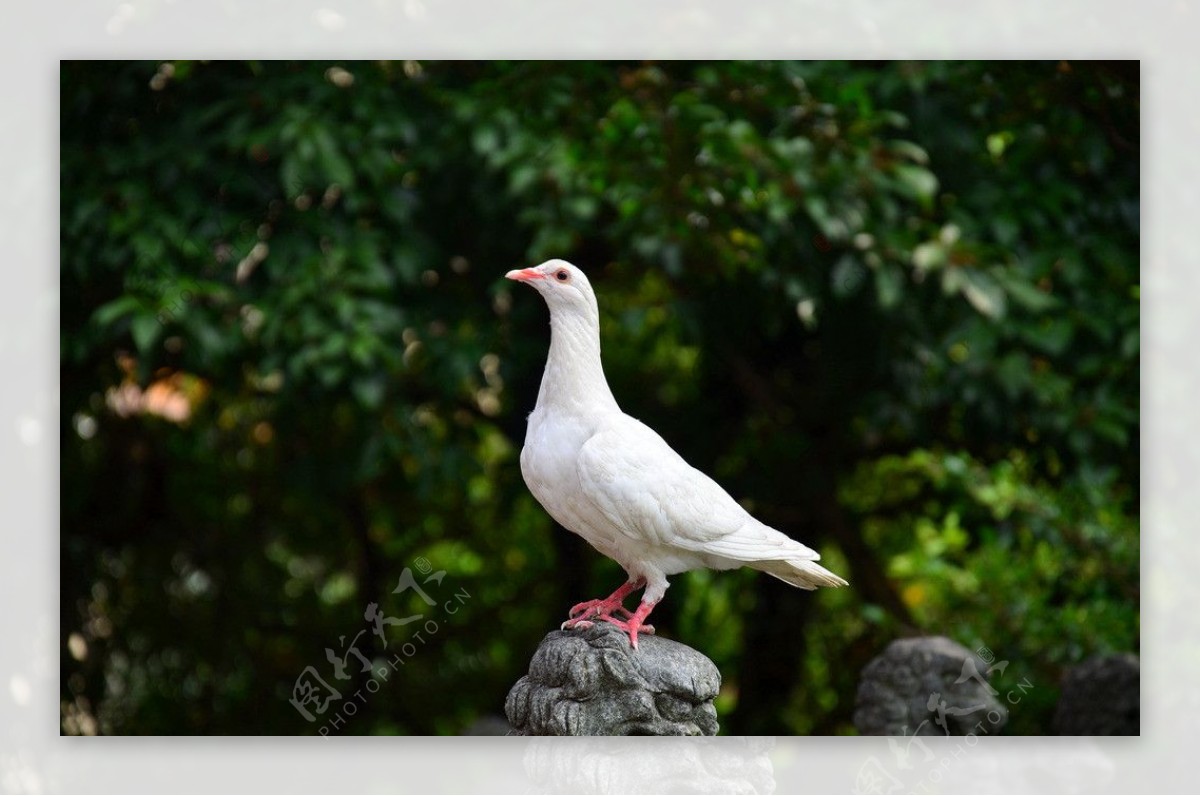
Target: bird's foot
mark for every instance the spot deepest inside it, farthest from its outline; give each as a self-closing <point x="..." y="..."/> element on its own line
<point x="577" y="624"/>
<point x="584" y="620"/>
<point x="628" y="626"/>
<point x="601" y="609"/>
<point x="635" y="623"/>
<point x="598" y="609"/>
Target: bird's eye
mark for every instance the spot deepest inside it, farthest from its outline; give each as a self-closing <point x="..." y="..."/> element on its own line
<point x="561" y="275"/>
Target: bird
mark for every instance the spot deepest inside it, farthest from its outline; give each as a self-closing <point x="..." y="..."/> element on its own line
<point x="612" y="480"/>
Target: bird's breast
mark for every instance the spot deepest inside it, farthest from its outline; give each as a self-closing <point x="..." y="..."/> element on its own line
<point x="548" y="460"/>
<point x="550" y="466"/>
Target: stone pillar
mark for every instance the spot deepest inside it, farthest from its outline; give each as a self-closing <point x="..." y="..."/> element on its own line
<point x="1101" y="696"/>
<point x="592" y="682"/>
<point x="926" y="686"/>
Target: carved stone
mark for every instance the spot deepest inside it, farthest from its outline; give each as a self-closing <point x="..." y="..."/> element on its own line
<point x="592" y="682"/>
<point x="1101" y="696"/>
<point x="927" y="686"/>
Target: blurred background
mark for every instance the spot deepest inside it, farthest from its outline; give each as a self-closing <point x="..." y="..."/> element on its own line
<point x="892" y="307"/>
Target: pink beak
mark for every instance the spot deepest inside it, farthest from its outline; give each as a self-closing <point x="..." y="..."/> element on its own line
<point x="524" y="274"/>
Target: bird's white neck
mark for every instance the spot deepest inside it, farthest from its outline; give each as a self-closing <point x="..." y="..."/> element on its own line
<point x="574" y="378"/>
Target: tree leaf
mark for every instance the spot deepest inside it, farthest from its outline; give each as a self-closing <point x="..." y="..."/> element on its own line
<point x="916" y="181"/>
<point x="115" y="309"/>
<point x="145" y="330"/>
<point x="1026" y="294"/>
<point x="984" y="292"/>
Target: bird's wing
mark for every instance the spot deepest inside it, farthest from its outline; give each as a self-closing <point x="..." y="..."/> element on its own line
<point x="646" y="489"/>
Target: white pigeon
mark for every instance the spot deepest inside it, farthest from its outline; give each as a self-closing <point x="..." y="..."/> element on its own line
<point x="611" y="479"/>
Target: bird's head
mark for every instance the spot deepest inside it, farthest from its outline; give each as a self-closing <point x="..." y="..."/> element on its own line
<point x="562" y="285"/>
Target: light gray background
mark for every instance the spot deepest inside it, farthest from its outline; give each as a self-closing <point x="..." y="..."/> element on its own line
<point x="35" y="37"/>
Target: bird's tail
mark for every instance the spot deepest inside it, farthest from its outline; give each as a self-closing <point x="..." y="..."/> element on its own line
<point x="802" y="573"/>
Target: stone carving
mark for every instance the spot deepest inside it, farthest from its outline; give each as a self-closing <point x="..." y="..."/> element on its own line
<point x="592" y="682"/>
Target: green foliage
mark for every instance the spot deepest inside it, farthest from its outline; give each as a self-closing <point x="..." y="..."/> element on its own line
<point x="892" y="307"/>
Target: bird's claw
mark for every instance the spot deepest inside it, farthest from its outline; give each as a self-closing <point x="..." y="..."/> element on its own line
<point x="581" y="614"/>
<point x="627" y="627"/>
<point x="598" y="609"/>
<point x="633" y="627"/>
<point x="577" y="624"/>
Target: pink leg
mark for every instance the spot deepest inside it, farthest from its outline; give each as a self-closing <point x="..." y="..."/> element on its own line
<point x="602" y="609"/>
<point x="635" y="622"/>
